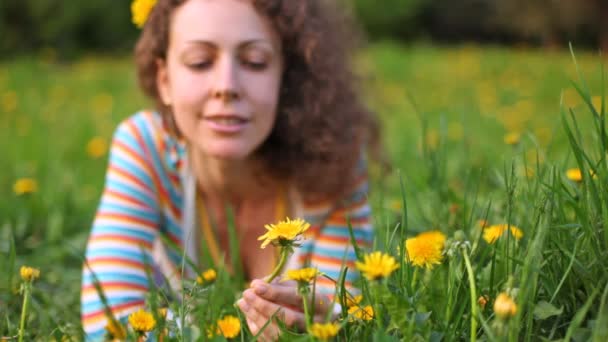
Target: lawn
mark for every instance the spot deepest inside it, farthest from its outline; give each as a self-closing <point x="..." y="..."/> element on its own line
<point x="473" y="134"/>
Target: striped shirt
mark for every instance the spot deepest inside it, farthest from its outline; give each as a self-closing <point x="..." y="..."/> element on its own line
<point x="148" y="194"/>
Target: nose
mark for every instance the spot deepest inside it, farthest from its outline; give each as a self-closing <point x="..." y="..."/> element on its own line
<point x="226" y="87"/>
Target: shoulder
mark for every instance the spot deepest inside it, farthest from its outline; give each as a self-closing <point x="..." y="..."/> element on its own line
<point x="142" y="123"/>
<point x="144" y="138"/>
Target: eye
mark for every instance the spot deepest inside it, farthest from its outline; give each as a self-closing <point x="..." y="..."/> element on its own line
<point x="199" y="66"/>
<point x="255" y="65"/>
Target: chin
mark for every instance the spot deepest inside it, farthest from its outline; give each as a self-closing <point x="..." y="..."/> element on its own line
<point x="229" y="151"/>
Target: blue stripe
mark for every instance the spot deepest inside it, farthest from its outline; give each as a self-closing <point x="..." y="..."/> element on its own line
<point x="110" y="206"/>
<point x="114" y="276"/>
<point x="127" y="189"/>
<point x="102" y="229"/>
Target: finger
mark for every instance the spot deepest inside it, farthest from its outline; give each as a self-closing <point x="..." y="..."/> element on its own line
<point x="268" y="331"/>
<point x="267" y="309"/>
<point x="287" y="293"/>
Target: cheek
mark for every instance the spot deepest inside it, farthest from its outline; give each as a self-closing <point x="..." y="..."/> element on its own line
<point x="184" y="94"/>
<point x="265" y="96"/>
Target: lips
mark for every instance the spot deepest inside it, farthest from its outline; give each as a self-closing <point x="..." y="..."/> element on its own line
<point x="227" y="120"/>
<point x="226" y="123"/>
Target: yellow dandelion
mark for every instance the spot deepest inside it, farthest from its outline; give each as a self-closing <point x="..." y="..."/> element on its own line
<point x="365" y="313"/>
<point x="426" y="249"/>
<point x="97" y="147"/>
<point x="116" y="330"/>
<point x="324" y="331"/>
<point x="303" y="275"/>
<point x="142" y="321"/>
<point x="504" y="306"/>
<point x="377" y="265"/>
<point x="354" y="300"/>
<point x="140" y="10"/>
<point x="25" y="186"/>
<point x="576" y="175"/>
<point x="229" y="326"/>
<point x="29" y="273"/>
<point x="512" y="138"/>
<point x="434" y="236"/>
<point x="493" y="232"/>
<point x="207" y="277"/>
<point x="284" y="231"/>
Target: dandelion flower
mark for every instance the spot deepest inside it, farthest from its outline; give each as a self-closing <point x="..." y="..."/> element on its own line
<point x="25" y="186"/>
<point x="365" y="313"/>
<point x="142" y="321"/>
<point x="377" y="265"/>
<point x="426" y="249"/>
<point x="97" y="147"/>
<point x="140" y="10"/>
<point x="116" y="330"/>
<point x="354" y="300"/>
<point x="207" y="277"/>
<point x="229" y="326"/>
<point x="504" y="306"/>
<point x="434" y="236"/>
<point x="303" y="275"/>
<point x="512" y="138"/>
<point x="29" y="273"/>
<point x="492" y="233"/>
<point x="283" y="232"/>
<point x="324" y="331"/>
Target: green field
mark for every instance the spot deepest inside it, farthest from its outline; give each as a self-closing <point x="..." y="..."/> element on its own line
<point x="446" y="113"/>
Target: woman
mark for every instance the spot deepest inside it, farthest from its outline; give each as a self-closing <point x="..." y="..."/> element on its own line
<point x="256" y="110"/>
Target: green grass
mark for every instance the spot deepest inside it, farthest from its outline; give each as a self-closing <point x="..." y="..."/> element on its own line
<point x="444" y="112"/>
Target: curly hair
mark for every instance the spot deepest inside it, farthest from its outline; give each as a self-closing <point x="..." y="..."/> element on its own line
<point x="322" y="124"/>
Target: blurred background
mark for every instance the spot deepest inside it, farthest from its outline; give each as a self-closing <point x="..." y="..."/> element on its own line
<point x="69" y="27"/>
<point x="468" y="92"/>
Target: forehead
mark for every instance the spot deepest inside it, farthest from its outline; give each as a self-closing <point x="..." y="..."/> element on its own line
<point x="223" y="22"/>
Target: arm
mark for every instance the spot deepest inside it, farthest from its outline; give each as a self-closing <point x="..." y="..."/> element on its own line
<point x="126" y="223"/>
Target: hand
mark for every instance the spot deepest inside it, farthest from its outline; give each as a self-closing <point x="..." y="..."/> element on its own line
<point x="262" y="300"/>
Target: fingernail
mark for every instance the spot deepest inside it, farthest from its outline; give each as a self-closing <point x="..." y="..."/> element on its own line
<point x="261" y="289"/>
<point x="243" y="305"/>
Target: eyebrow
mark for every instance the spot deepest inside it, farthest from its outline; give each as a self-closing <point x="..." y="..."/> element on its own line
<point x="241" y="44"/>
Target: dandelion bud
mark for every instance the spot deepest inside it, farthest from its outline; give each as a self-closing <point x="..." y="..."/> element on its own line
<point x="504" y="306"/>
<point x="29" y="273"/>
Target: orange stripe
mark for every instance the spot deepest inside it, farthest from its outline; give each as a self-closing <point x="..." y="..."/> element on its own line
<point x="126" y="198"/>
<point x="126" y="217"/>
<point x="99" y="261"/>
<point x="115" y="237"/>
<point x="96" y="316"/>
<point x="115" y="286"/>
<point x="132" y="154"/>
<point x="130" y="177"/>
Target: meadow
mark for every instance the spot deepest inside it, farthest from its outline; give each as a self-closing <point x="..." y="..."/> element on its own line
<point x="485" y="144"/>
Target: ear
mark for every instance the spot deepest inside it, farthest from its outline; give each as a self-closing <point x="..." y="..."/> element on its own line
<point x="162" y="81"/>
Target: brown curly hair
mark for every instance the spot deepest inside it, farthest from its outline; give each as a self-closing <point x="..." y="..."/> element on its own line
<point x="321" y="123"/>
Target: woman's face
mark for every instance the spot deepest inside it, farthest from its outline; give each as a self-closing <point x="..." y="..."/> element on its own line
<point x="222" y="76"/>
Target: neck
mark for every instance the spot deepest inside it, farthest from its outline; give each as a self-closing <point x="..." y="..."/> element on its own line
<point x="232" y="181"/>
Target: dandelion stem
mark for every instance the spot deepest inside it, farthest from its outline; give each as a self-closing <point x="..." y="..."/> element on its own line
<point x="26" y="300"/>
<point x="282" y="260"/>
<point x="473" y="294"/>
<point x="304" y="293"/>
